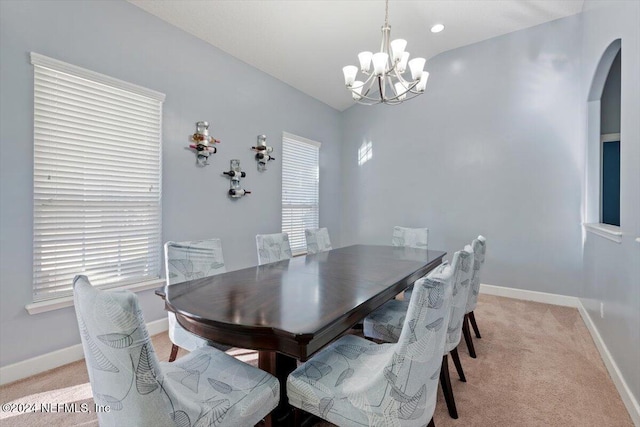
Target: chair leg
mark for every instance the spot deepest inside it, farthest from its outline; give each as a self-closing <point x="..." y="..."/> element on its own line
<point x="456" y="361"/>
<point x="174" y="353"/>
<point x="445" y="382"/>
<point x="431" y="423"/>
<point x="472" y="318"/>
<point x="467" y="336"/>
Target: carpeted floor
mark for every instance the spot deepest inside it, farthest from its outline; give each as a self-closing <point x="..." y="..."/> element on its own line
<point x="537" y="366"/>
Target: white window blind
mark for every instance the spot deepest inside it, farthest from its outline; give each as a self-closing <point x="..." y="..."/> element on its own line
<point x="97" y="176"/>
<point x="300" y="195"/>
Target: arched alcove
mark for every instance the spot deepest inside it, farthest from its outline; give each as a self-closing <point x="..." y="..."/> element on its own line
<point x="603" y="142"/>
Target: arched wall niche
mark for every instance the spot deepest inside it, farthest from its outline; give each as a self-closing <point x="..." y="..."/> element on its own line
<point x="593" y="203"/>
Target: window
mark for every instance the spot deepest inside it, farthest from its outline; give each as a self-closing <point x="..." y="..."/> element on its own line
<point x="610" y="149"/>
<point x="610" y="179"/>
<point x="97" y="175"/>
<point x="604" y="147"/>
<point x="300" y="195"/>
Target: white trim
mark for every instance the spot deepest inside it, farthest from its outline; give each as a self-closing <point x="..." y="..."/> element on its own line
<point x="521" y="294"/>
<point x="610" y="232"/>
<point x="301" y="139"/>
<point x="632" y="405"/>
<point x="58" y="303"/>
<point x="609" y="137"/>
<point x="54" y="64"/>
<point x="55" y="359"/>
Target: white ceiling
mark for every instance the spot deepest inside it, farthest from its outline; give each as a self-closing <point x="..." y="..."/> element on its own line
<point x="305" y="43"/>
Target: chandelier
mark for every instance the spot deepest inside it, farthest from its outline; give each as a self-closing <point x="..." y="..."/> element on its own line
<point x="386" y="83"/>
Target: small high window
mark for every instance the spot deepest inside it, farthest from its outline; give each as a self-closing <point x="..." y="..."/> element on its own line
<point x="610" y="148"/>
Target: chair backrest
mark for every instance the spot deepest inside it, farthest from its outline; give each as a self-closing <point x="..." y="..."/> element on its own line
<point x="273" y="247"/>
<point x="123" y="369"/>
<point x="193" y="260"/>
<point x="479" y="247"/>
<point x="317" y="240"/>
<point x="462" y="265"/>
<point x="410" y="237"/>
<point x="413" y="371"/>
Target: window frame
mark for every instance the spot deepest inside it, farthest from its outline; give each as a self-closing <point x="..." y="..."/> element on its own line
<point x="296" y="234"/>
<point x="48" y="299"/>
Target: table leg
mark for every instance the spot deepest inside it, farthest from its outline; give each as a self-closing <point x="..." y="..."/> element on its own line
<point x="279" y="366"/>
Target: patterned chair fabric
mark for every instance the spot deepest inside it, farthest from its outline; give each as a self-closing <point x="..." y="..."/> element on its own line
<point x="410" y="237"/>
<point x="317" y="240"/>
<point x="355" y="382"/>
<point x="273" y="247"/>
<point x="385" y="324"/>
<point x="461" y="263"/>
<point x="479" y="247"/>
<point x="205" y="388"/>
<point x="187" y="261"/>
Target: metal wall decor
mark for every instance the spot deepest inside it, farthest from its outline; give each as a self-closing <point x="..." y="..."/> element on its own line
<point x="263" y="152"/>
<point x="235" y="173"/>
<point x="203" y="143"/>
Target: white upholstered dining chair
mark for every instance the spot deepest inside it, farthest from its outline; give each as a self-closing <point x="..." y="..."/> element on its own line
<point x="357" y="382"/>
<point x="187" y="261"/>
<point x="385" y="324"/>
<point x="410" y="238"/>
<point x="317" y="240"/>
<point x="273" y="247"/>
<point x="206" y="387"/>
<point x="479" y="246"/>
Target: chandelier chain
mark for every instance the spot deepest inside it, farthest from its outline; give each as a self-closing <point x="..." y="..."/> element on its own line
<point x="386" y="13"/>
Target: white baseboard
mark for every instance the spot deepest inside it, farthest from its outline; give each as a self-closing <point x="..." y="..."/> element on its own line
<point x="614" y="372"/>
<point x="553" y="299"/>
<point x="625" y="393"/>
<point x="55" y="359"/>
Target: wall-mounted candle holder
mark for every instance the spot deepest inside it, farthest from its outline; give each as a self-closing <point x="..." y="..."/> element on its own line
<point x="203" y="144"/>
<point x="263" y="152"/>
<point x="235" y="174"/>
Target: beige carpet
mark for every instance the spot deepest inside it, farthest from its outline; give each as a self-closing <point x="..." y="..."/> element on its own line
<point x="537" y="366"/>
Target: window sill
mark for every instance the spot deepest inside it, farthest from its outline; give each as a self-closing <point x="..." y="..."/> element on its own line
<point x="58" y="303"/>
<point x="610" y="232"/>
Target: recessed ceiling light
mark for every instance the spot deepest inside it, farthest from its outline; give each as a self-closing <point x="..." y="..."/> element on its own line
<point x="437" y="28"/>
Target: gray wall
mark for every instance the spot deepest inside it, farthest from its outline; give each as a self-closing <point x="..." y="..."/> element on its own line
<point x="494" y="147"/>
<point x="201" y="83"/>
<point x="612" y="270"/>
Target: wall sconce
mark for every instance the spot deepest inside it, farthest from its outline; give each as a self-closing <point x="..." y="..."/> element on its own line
<point x="203" y="143"/>
<point x="235" y="173"/>
<point x="263" y="152"/>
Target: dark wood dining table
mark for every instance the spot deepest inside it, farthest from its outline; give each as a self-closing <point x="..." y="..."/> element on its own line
<point x="288" y="310"/>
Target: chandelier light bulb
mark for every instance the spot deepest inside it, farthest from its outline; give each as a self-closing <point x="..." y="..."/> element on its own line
<point x="422" y="84"/>
<point x="402" y="65"/>
<point x="365" y="61"/>
<point x="350" y="72"/>
<point x="380" y="63"/>
<point x="416" y="65"/>
<point x="401" y="91"/>
<point x="357" y="90"/>
<point x="397" y="49"/>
